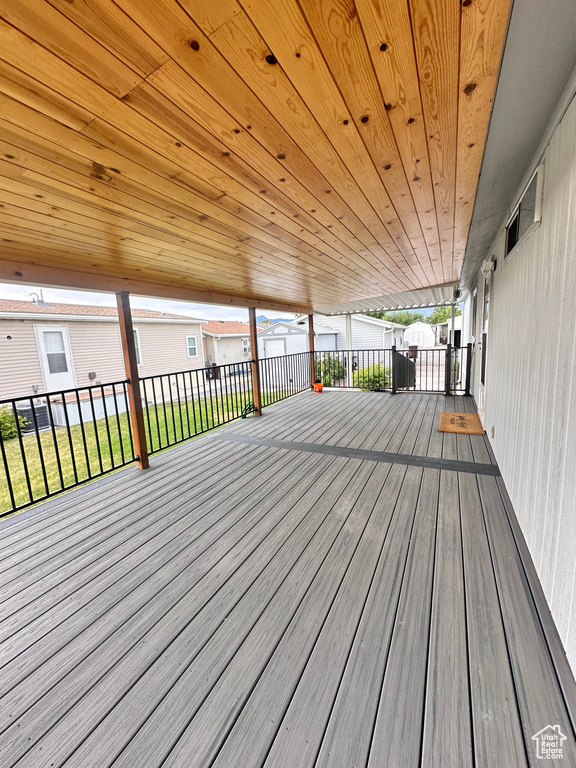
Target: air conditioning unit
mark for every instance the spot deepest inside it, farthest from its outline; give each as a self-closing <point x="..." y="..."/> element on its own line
<point x="41" y="414"/>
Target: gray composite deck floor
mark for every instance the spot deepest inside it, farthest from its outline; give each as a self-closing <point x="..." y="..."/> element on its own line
<point x="333" y="584"/>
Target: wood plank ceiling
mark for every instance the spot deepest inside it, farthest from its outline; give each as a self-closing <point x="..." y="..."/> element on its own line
<point x="289" y="153"/>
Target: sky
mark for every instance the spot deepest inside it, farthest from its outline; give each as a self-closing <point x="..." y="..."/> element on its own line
<point x="202" y="311"/>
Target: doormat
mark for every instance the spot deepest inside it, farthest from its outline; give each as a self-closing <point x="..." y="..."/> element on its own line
<point x="461" y="423"/>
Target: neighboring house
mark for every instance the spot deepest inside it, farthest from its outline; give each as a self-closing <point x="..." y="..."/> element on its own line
<point x="226" y="342"/>
<point x="283" y="338"/>
<point x="367" y="332"/>
<point x="45" y="347"/>
<point x="420" y="334"/>
<point x="443" y="331"/>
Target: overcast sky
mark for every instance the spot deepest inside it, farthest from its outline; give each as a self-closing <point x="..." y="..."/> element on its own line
<point x="204" y="311"/>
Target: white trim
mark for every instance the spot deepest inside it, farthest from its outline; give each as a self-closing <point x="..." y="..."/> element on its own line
<point x="246" y="347"/>
<point x="539" y="175"/>
<point x="38" y="330"/>
<point x="226" y="335"/>
<point x="195" y="346"/>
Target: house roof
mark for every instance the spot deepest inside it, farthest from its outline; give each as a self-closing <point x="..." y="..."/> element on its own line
<point x="82" y="310"/>
<point x="226" y="328"/>
<point x="360" y="317"/>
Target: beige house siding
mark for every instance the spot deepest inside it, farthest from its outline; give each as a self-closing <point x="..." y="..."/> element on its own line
<point x="230" y="350"/>
<point x="209" y="349"/>
<point x="164" y="349"/>
<point x="19" y="363"/>
<point x="96" y="347"/>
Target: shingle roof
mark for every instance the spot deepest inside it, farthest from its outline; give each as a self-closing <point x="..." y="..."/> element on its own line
<point x="50" y="308"/>
<point x="226" y="328"/>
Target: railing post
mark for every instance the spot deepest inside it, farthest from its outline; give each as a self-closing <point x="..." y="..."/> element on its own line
<point x="131" y="368"/>
<point x="468" y="382"/>
<point x="256" y="388"/>
<point x="312" y="350"/>
<point x="394" y="381"/>
<point x="448" y="370"/>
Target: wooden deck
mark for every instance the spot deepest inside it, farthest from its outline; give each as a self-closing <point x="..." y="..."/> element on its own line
<point x="334" y="584"/>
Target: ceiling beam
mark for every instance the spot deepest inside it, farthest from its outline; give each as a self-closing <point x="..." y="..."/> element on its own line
<point x="49" y="277"/>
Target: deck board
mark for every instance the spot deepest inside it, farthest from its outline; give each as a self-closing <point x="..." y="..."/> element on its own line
<point x="331" y="589"/>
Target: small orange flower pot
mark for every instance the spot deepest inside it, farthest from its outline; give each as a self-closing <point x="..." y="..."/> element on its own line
<point x="318" y="386"/>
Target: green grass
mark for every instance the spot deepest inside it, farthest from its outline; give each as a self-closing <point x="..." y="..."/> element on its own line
<point x="57" y="460"/>
<point x="68" y="460"/>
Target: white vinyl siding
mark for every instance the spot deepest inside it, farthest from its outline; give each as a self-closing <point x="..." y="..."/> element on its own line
<point x="530" y="380"/>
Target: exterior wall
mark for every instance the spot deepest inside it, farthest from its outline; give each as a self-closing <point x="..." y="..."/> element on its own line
<point x="364" y="335"/>
<point x="209" y="354"/>
<point x="19" y="361"/>
<point x="95" y="347"/>
<point x="530" y="403"/>
<point x="164" y="349"/>
<point x="419" y="328"/>
<point x="325" y="342"/>
<point x="294" y="340"/>
<point x="230" y="350"/>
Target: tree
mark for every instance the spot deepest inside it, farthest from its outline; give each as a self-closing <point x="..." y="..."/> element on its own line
<point x="404" y="317"/>
<point x="441" y="315"/>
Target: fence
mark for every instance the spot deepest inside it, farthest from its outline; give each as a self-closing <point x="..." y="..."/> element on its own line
<point x="56" y="441"/>
<point x="178" y="406"/>
<point x="360" y="368"/>
<point x="52" y="442"/>
<point x="282" y="377"/>
<point x="444" y="370"/>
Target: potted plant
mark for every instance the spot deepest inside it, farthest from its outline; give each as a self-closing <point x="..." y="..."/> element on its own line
<point x="318" y="385"/>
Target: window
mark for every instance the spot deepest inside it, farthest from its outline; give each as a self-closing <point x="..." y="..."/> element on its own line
<point x="245" y="346"/>
<point x="526" y="214"/>
<point x="137" y="345"/>
<point x="55" y="352"/>
<point x="191" y="345"/>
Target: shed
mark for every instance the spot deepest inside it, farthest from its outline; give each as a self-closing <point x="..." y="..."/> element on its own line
<point x="419" y="334"/>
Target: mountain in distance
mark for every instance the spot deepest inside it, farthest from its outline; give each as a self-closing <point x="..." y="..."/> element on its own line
<point x="263" y="319"/>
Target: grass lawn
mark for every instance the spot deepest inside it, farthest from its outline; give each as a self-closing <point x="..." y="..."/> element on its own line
<point x="100" y="452"/>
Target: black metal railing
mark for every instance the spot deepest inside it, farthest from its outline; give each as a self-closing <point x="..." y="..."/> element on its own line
<point x="52" y="442"/>
<point x="57" y="440"/>
<point x="282" y="377"/>
<point x="179" y="406"/>
<point x="444" y="370"/>
<point x="358" y="368"/>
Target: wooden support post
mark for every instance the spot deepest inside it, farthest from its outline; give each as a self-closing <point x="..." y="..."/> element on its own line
<point x="256" y="389"/>
<point x="312" y="350"/>
<point x="131" y="368"/>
